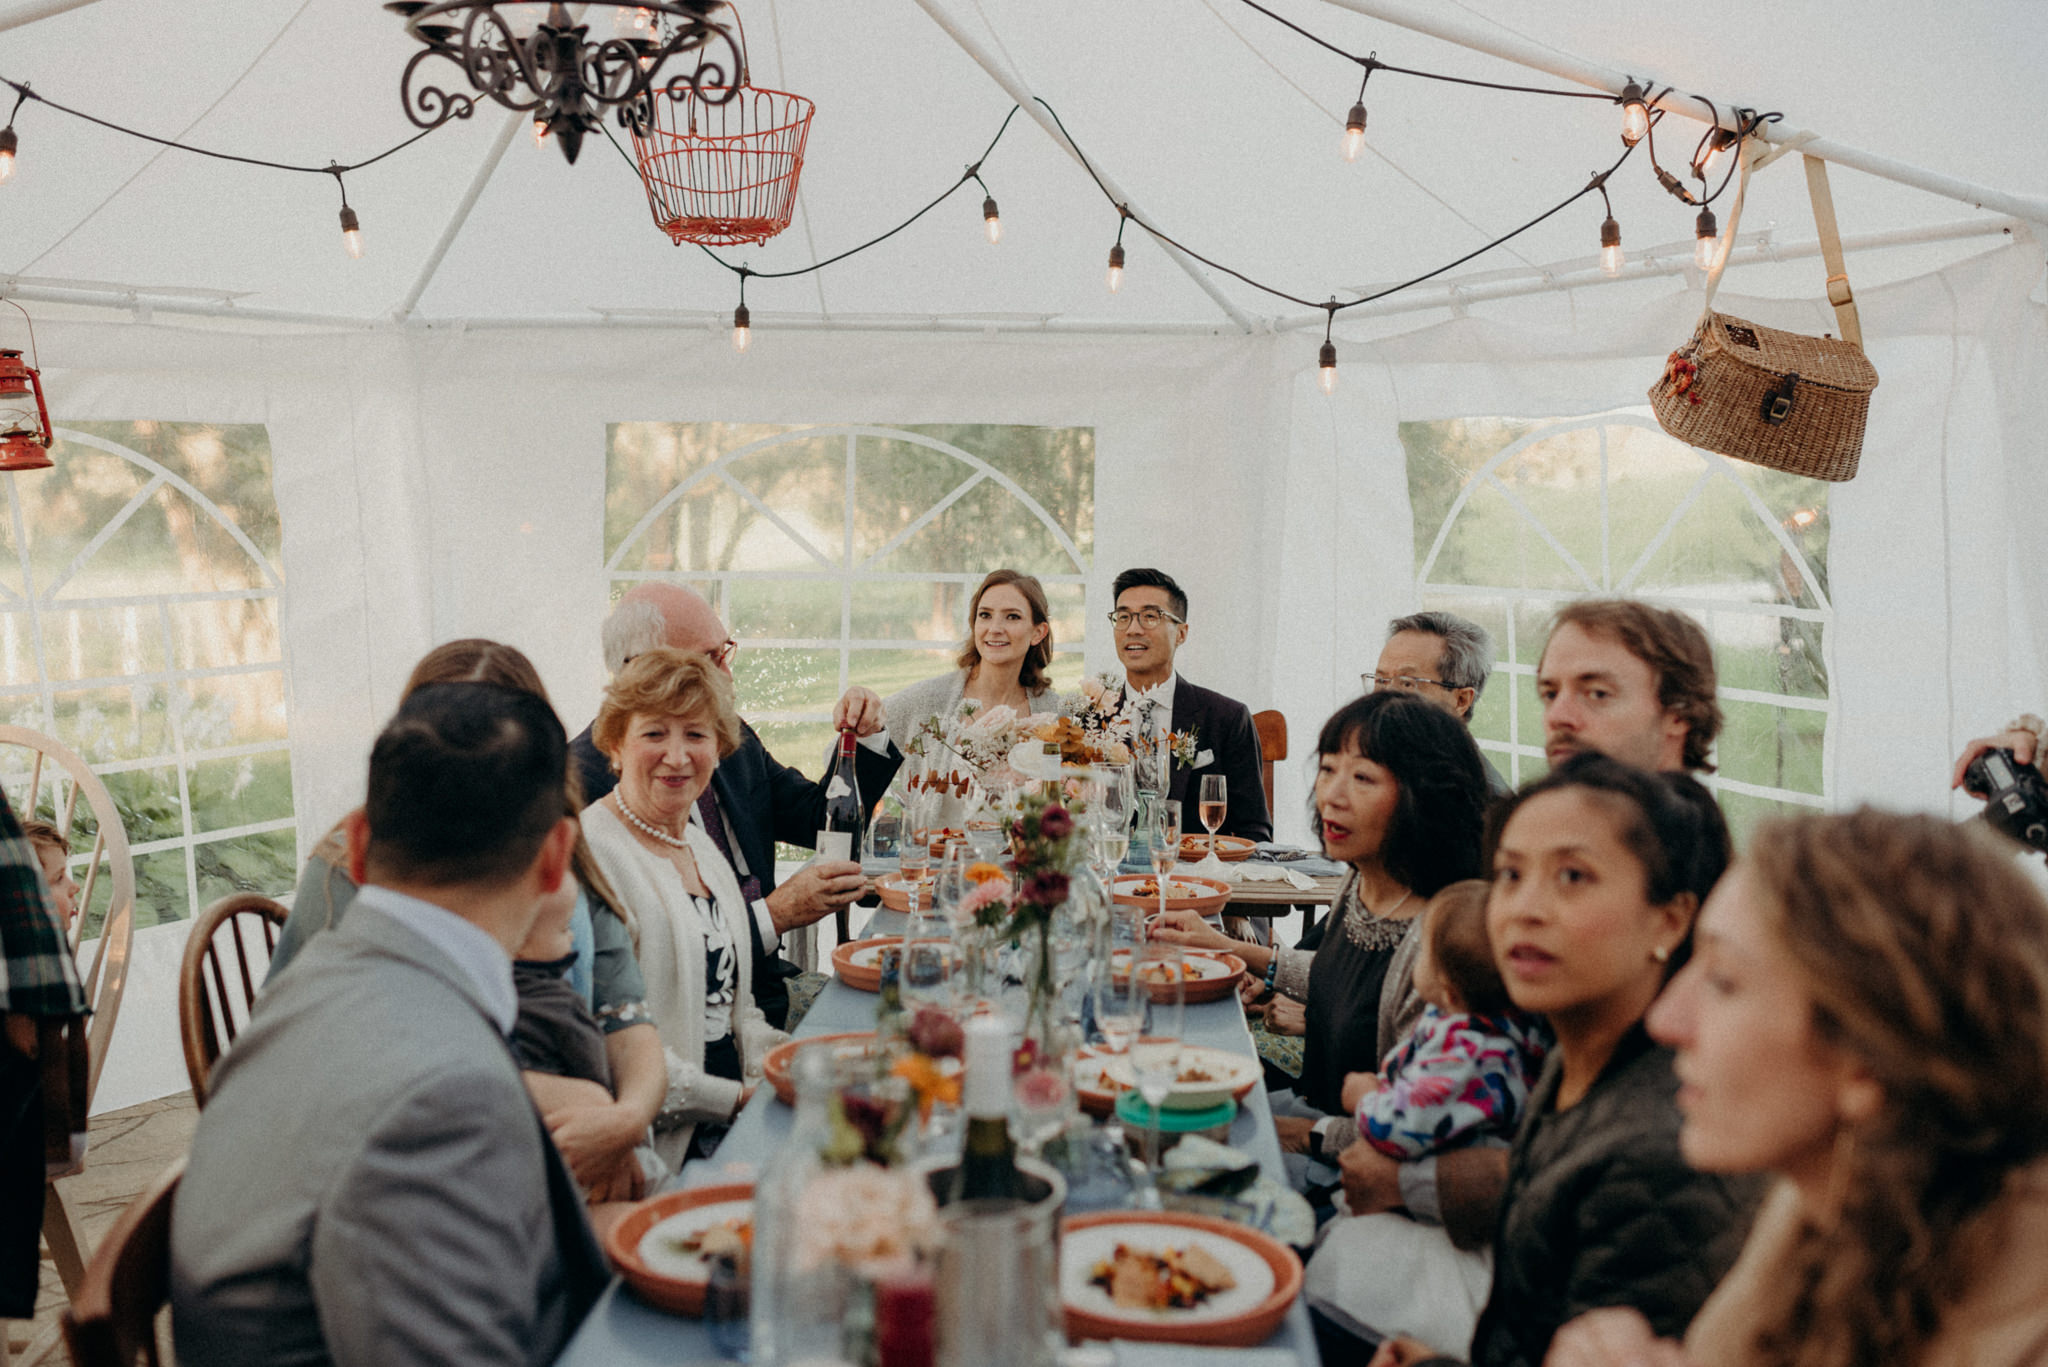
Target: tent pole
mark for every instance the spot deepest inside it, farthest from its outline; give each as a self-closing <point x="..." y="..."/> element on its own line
<point x="513" y="124"/>
<point x="38" y="9"/>
<point x="1014" y="87"/>
<point x="1447" y="23"/>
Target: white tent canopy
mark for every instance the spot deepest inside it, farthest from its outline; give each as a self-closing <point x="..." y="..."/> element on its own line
<point x="437" y="411"/>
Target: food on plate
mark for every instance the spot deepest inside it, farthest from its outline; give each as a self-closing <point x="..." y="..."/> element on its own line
<point x="733" y="1238"/>
<point x="1176" y="1279"/>
<point x="940" y="836"/>
<point x="1195" y="1072"/>
<point x="1150" y="888"/>
<point x="1163" y="973"/>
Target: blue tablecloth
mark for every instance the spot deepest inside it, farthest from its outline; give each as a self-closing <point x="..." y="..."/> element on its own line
<point x="623" y="1332"/>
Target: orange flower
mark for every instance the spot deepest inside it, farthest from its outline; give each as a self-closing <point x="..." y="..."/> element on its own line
<point x="981" y="871"/>
<point x="928" y="1082"/>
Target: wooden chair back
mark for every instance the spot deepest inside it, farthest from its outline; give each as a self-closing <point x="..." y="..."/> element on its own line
<point x="213" y="999"/>
<point x="111" y="1321"/>
<point x="1272" y="729"/>
<point x="69" y="777"/>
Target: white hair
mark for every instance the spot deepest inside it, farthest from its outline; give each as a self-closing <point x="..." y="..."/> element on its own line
<point x="632" y="628"/>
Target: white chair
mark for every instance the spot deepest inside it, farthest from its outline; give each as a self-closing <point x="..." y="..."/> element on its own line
<point x="106" y="977"/>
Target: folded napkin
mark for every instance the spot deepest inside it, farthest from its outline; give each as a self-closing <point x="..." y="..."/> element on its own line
<point x="1266" y="1204"/>
<point x="1276" y="873"/>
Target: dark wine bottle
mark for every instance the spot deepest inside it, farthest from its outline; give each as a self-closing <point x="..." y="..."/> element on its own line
<point x="840" y="838"/>
<point x="988" y="1162"/>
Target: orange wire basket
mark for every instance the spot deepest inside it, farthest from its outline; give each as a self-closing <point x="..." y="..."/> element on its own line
<point x="722" y="174"/>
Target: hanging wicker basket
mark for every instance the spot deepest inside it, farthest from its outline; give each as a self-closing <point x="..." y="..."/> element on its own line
<point x="722" y="174"/>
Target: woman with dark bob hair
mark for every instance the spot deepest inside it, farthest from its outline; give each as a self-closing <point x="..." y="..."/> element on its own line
<point x="1400" y="793"/>
<point x="1598" y="872"/>
<point x="1891" y="972"/>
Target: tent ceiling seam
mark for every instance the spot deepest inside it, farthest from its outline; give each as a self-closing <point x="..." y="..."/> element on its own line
<point x="39" y="10"/>
<point x="1014" y="87"/>
<point x="460" y="218"/>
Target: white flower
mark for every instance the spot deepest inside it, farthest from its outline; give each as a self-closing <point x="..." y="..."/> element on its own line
<point x="865" y="1216"/>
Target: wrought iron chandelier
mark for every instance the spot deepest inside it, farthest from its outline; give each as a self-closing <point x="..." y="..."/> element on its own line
<point x="555" y="68"/>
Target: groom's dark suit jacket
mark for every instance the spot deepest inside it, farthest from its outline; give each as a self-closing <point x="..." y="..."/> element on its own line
<point x="1224" y="727"/>
<point x="764" y="801"/>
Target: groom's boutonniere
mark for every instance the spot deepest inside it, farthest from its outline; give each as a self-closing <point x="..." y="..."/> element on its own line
<point x="1185" y="747"/>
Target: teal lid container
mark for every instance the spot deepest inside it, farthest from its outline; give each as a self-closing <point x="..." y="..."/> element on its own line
<point x="1132" y="1110"/>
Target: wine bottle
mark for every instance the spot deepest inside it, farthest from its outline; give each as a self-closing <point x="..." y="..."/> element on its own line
<point x="841" y="834"/>
<point x="988" y="1162"/>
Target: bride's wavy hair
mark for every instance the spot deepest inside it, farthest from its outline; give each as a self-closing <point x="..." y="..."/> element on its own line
<point x="1925" y="953"/>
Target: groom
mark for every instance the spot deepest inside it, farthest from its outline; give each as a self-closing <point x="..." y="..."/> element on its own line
<point x="1151" y="622"/>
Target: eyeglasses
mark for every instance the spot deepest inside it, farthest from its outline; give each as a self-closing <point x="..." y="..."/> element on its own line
<point x="722" y="654"/>
<point x="1148" y="618"/>
<point x="1407" y="683"/>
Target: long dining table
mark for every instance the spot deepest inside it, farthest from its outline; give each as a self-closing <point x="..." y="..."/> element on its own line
<point x="623" y="1331"/>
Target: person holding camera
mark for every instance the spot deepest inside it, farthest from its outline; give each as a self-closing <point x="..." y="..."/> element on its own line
<point x="2005" y="771"/>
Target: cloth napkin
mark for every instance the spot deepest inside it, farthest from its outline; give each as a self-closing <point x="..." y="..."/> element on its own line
<point x="1275" y="873"/>
<point x="1284" y="1212"/>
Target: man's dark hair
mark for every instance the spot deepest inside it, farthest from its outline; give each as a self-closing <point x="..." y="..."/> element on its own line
<point x="465" y="783"/>
<point x="1432" y="839"/>
<point x="1152" y="579"/>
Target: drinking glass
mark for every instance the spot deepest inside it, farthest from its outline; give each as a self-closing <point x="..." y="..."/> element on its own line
<point x="1215" y="805"/>
<point x="1165" y="843"/>
<point x="1041" y="1102"/>
<point x="1155" y="1055"/>
<point x="929" y="958"/>
<point x="914" y="853"/>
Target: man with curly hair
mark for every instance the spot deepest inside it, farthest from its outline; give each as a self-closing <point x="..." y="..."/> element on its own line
<point x="1632" y="681"/>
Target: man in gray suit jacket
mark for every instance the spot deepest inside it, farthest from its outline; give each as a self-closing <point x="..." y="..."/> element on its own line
<point x="369" y="1182"/>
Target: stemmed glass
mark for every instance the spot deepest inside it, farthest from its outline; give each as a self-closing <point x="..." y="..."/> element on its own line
<point x="915" y="850"/>
<point x="1215" y="805"/>
<point x="1165" y="841"/>
<point x="1155" y="1054"/>
<point x="1112" y="818"/>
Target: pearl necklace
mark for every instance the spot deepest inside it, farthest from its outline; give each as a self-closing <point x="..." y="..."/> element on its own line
<point x="676" y="842"/>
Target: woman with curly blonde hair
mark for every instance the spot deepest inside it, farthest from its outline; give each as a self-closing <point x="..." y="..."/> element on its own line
<point x="1867" y="1017"/>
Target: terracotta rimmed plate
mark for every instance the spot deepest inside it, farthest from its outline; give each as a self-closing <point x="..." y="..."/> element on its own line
<point x="858" y="963"/>
<point x="1184" y="892"/>
<point x="1231" y="849"/>
<point x="1211" y="975"/>
<point x="1222" y="1075"/>
<point x="894" y="890"/>
<point x="779" y="1066"/>
<point x="1268" y="1279"/>
<point x="665" y="1277"/>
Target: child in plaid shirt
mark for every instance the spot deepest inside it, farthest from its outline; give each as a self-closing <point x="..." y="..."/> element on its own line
<point x="1465" y="1069"/>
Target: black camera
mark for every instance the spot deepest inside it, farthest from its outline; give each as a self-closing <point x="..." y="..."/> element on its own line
<point x="2015" y="796"/>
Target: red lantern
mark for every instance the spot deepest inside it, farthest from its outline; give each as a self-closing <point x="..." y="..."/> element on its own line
<point x="25" y="434"/>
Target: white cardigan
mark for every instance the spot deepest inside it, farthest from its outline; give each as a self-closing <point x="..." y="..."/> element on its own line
<point x="669" y="942"/>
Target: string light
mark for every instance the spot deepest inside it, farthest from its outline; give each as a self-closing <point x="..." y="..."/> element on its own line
<point x="1705" y="231"/>
<point x="1326" y="359"/>
<point x="1116" y="253"/>
<point x="742" y="330"/>
<point x="351" y="234"/>
<point x="9" y="144"/>
<point x="1712" y="151"/>
<point x="1354" y="122"/>
<point x="992" y="220"/>
<point x="1635" y="114"/>
<point x="1611" y="259"/>
<point x="540" y="133"/>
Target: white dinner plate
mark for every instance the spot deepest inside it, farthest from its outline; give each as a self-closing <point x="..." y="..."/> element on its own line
<point x="1082" y="1248"/>
<point x="656" y="1245"/>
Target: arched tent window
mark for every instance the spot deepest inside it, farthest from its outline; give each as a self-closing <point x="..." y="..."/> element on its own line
<point x="139" y="595"/>
<point x="1515" y="517"/>
<point x="846" y="554"/>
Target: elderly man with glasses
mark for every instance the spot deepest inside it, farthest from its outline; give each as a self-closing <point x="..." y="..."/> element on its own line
<point x="754" y="800"/>
<point x="1151" y="623"/>
<point x="1441" y="658"/>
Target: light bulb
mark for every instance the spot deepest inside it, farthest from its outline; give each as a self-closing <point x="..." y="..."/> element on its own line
<point x="1611" y="258"/>
<point x="540" y="132"/>
<point x="1706" y="232"/>
<point x="1326" y="368"/>
<point x="742" y="330"/>
<point x="1635" y="115"/>
<point x="992" y="220"/>
<point x="1711" y="153"/>
<point x="1116" y="268"/>
<point x="351" y="234"/>
<point x="1354" y="132"/>
<point x="9" y="144"/>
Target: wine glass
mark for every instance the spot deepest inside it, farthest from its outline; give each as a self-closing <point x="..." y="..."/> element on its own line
<point x="1155" y="1054"/>
<point x="1165" y="843"/>
<point x="1215" y="805"/>
<point x="1041" y="1100"/>
<point x="929" y="957"/>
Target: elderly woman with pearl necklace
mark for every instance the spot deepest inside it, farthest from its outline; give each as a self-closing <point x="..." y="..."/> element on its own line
<point x="666" y="721"/>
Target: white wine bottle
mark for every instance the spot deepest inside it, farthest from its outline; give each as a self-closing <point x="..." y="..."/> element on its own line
<point x="988" y="1161"/>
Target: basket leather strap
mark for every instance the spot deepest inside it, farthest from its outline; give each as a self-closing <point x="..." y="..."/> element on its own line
<point x="1839" y="293"/>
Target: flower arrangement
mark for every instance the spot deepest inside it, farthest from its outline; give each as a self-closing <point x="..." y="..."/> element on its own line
<point x="1092" y="728"/>
<point x="980" y="738"/>
<point x="868" y="1218"/>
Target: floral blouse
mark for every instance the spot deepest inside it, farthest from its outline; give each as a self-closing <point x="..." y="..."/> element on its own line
<point x="1454" y="1078"/>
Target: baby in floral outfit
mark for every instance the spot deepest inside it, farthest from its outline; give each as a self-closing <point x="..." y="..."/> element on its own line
<point x="1464" y="1071"/>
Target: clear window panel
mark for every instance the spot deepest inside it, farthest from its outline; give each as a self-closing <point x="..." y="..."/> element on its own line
<point x="783" y="609"/>
<point x="886" y="671"/>
<point x="241" y="791"/>
<point x="233" y="709"/>
<point x="800" y="745"/>
<point x="103" y="724"/>
<point x="1772" y="747"/>
<point x="771" y="679"/>
<point x="102" y="643"/>
<point x="929" y="610"/>
<point x="148" y="802"/>
<point x="249" y="863"/>
<point x="225" y="632"/>
<point x="162" y="894"/>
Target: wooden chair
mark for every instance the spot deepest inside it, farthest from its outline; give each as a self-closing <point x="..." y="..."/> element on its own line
<point x="213" y="1005"/>
<point x="1272" y="729"/>
<point x="111" y="1321"/>
<point x="107" y="976"/>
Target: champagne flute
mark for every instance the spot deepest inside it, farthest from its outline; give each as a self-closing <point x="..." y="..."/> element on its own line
<point x="1155" y="1055"/>
<point x="1215" y="805"/>
<point x="1165" y="841"/>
